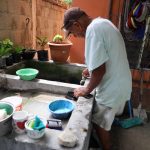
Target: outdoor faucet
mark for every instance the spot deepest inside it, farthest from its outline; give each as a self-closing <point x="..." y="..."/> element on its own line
<point x="82" y="80"/>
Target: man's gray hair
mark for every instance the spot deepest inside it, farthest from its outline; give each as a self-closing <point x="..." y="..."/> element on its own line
<point x="71" y="15"/>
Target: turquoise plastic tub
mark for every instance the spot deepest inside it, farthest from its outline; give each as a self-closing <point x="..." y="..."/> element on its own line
<point x="61" y="108"/>
<point x="27" y="73"/>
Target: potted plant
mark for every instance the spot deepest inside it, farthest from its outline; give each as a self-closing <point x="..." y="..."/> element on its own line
<point x="28" y="53"/>
<point x="5" y="53"/>
<point x="17" y="53"/>
<point x="2" y="58"/>
<point x="9" y="59"/>
<point x="67" y="2"/>
<point x="59" y="48"/>
<point x="42" y="53"/>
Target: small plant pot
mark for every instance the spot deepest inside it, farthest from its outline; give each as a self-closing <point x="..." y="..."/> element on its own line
<point x="42" y="55"/>
<point x="28" y="54"/>
<point x="16" y="57"/>
<point x="9" y="60"/>
<point x="60" y="52"/>
<point x="2" y="62"/>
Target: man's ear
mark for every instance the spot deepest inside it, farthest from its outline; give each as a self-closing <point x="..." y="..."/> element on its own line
<point x="77" y="24"/>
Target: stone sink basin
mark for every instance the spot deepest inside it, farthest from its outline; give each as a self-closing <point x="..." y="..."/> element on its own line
<point x="43" y="91"/>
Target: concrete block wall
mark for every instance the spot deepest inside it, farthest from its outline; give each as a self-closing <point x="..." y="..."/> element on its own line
<point x="23" y="20"/>
<point x="49" y="19"/>
<point x="13" y="16"/>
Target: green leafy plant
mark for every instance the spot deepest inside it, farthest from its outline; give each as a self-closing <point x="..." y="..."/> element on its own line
<point x="17" y="49"/>
<point x="58" y="38"/>
<point x="42" y="41"/>
<point x="68" y="2"/>
<point x="4" y="51"/>
<point x="5" y="47"/>
<point x="7" y="43"/>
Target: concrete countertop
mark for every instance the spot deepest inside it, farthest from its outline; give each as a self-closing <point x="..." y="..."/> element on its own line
<point x="79" y="122"/>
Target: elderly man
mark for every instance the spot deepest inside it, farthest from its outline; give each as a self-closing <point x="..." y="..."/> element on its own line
<point x="107" y="66"/>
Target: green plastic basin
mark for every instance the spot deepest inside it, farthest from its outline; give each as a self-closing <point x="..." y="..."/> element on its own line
<point x="6" y="124"/>
<point x="27" y="73"/>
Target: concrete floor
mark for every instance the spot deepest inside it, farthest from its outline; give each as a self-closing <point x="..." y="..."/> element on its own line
<point x="135" y="138"/>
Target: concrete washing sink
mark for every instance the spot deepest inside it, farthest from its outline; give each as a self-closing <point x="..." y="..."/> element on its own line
<point x="45" y="90"/>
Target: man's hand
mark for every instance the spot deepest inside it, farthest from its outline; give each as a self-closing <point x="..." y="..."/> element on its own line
<point x="96" y="77"/>
<point x="85" y="73"/>
<point x="81" y="91"/>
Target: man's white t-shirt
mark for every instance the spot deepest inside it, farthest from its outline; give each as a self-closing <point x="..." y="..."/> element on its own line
<point x="104" y="44"/>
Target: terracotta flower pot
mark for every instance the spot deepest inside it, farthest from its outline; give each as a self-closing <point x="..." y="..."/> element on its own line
<point x="59" y="52"/>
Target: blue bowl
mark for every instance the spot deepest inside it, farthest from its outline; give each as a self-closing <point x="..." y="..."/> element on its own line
<point x="61" y="108"/>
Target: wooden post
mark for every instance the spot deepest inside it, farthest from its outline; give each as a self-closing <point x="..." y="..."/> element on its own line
<point x="34" y="24"/>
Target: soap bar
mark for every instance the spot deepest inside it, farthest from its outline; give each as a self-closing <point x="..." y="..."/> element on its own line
<point x="3" y="114"/>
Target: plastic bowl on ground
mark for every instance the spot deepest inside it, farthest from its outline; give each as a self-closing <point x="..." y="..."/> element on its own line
<point x="34" y="134"/>
<point x="61" y="108"/>
<point x="27" y="73"/>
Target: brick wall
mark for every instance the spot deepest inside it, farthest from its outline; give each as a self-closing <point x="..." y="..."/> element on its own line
<point x="49" y="19"/>
<point x="13" y="16"/>
<point x="23" y="20"/>
<point x="141" y="90"/>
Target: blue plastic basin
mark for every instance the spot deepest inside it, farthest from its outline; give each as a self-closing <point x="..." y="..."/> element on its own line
<point x="61" y="108"/>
